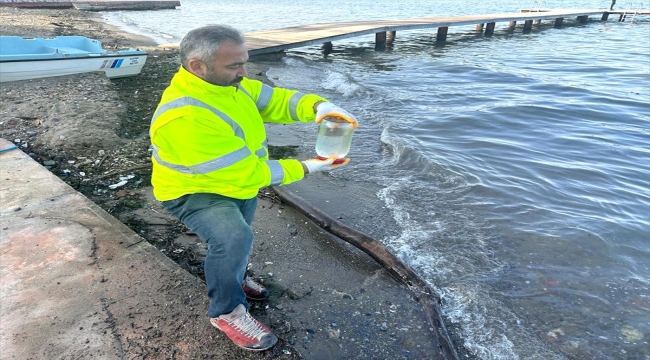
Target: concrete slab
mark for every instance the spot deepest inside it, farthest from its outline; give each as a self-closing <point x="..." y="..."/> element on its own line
<point x="76" y="283"/>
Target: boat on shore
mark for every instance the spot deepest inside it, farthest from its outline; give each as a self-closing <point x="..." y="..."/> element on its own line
<point x="32" y="58"/>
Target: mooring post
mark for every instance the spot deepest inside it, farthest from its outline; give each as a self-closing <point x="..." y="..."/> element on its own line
<point x="605" y="16"/>
<point x="327" y="48"/>
<point x="380" y="40"/>
<point x="479" y="28"/>
<point x="442" y="34"/>
<point x="528" y="25"/>
<point x="390" y="38"/>
<point x="582" y="19"/>
<point x="558" y="22"/>
<point x="489" y="29"/>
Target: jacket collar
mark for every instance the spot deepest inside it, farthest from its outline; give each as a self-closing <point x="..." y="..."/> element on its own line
<point x="195" y="84"/>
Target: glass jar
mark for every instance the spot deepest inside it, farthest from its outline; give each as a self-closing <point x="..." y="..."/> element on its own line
<point x="334" y="138"/>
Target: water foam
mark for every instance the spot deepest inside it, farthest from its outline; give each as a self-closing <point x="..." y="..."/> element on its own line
<point x="340" y="83"/>
<point x="451" y="251"/>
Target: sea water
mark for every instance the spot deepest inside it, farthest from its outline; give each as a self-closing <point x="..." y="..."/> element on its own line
<point x="517" y="165"/>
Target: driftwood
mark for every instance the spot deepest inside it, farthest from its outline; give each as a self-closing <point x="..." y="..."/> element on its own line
<point x="429" y="300"/>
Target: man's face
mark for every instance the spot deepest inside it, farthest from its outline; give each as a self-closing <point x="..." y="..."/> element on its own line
<point x="228" y="68"/>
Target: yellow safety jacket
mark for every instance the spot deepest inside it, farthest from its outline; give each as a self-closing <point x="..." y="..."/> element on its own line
<point x="211" y="139"/>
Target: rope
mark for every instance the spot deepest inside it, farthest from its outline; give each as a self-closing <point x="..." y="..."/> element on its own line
<point x="8" y="149"/>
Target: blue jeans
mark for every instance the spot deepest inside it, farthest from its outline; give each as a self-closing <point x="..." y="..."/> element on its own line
<point x="225" y="224"/>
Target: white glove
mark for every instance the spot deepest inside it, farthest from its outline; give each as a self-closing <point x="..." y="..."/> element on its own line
<point x="315" y="165"/>
<point x="326" y="109"/>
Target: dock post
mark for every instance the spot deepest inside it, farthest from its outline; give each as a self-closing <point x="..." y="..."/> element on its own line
<point x="605" y="16"/>
<point x="479" y="28"/>
<point x="558" y="22"/>
<point x="442" y="34"/>
<point x="391" y="36"/>
<point x="327" y="48"/>
<point x="380" y="41"/>
<point x="512" y="24"/>
<point x="583" y="19"/>
<point x="489" y="29"/>
<point x="528" y="25"/>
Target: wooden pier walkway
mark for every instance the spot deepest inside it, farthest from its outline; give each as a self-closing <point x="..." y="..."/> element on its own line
<point x="277" y="40"/>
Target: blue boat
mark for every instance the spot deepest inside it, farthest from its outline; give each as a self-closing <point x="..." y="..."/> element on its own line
<point x="31" y="58"/>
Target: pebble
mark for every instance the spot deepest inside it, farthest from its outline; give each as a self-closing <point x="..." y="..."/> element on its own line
<point x="631" y="334"/>
<point x="555" y="332"/>
<point x="334" y="333"/>
<point x="115" y="186"/>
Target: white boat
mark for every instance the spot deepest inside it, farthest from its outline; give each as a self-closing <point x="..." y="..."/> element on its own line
<point x="31" y="58"/>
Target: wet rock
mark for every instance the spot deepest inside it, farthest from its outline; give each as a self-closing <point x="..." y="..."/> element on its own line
<point x="342" y="295"/>
<point x="631" y="334"/>
<point x="299" y="291"/>
<point x="334" y="333"/>
<point x="555" y="333"/>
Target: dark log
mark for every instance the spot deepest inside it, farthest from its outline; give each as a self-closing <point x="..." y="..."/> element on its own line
<point x="403" y="273"/>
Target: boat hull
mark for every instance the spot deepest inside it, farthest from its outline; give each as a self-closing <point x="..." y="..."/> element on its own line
<point x="33" y="58"/>
<point x="113" y="66"/>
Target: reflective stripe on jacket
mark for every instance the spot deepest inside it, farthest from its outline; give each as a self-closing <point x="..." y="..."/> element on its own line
<point x="211" y="139"/>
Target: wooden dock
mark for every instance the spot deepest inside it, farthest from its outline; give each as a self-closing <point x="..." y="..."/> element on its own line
<point x="278" y="40"/>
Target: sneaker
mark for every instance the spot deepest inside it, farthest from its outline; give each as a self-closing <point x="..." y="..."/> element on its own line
<point x="244" y="330"/>
<point x="253" y="290"/>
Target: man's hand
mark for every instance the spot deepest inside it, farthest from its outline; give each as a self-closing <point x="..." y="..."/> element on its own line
<point x="326" y="109"/>
<point x="316" y="165"/>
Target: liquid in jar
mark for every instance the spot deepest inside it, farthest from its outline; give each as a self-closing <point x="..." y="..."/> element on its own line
<point x="334" y="139"/>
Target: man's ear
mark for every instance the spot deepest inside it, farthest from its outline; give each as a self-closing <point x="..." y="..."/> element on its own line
<point x="197" y="67"/>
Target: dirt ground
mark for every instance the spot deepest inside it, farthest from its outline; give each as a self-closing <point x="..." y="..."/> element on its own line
<point x="329" y="300"/>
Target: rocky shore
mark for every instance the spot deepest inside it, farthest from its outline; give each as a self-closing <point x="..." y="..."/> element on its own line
<point x="329" y="300"/>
